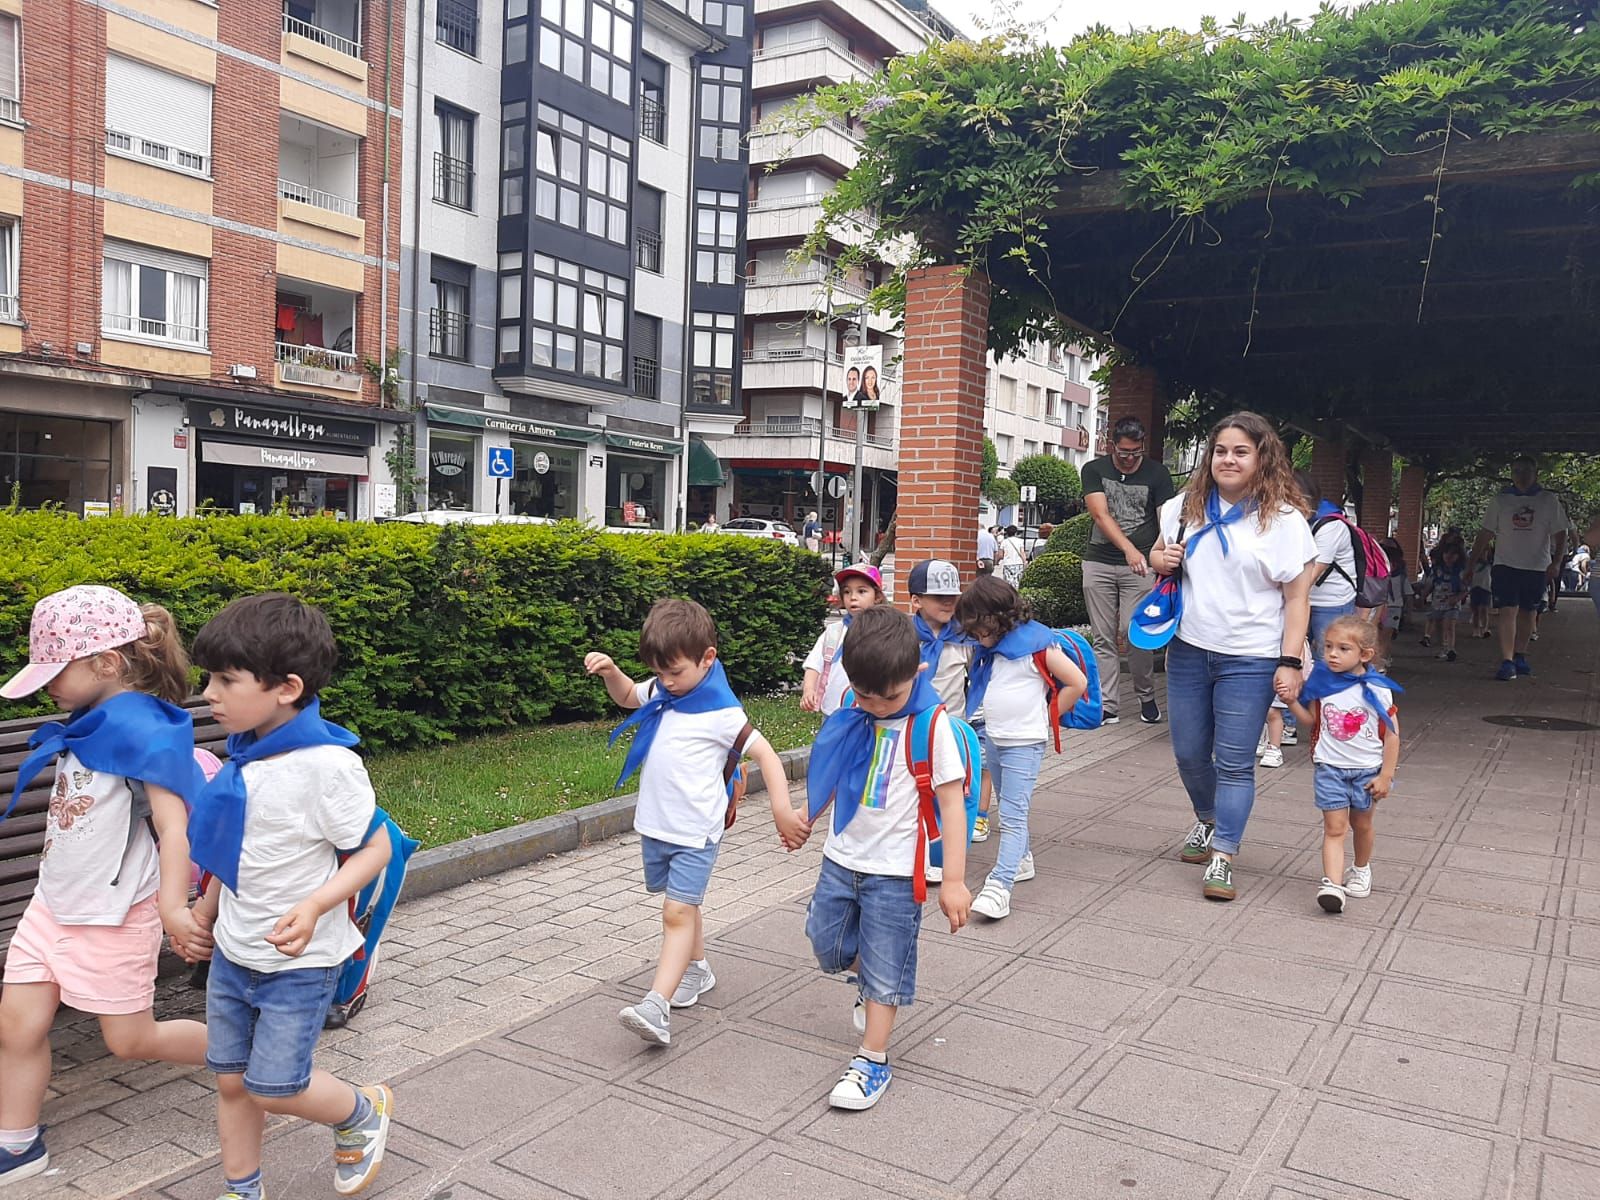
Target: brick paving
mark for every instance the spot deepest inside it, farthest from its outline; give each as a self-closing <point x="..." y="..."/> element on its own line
<point x="1116" y="1036"/>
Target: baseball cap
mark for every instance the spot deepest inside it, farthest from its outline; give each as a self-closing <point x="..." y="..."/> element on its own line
<point x="73" y="623"/>
<point x="862" y="571"/>
<point x="934" y="577"/>
<point x="1156" y="619"/>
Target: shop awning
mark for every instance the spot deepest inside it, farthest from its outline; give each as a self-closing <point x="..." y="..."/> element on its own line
<point x="705" y="468"/>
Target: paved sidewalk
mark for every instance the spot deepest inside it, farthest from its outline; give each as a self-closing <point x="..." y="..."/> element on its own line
<point x="1116" y="1036"/>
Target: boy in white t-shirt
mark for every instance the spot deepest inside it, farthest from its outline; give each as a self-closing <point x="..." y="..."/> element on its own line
<point x="1357" y="733"/>
<point x="826" y="680"/>
<point x="688" y="729"/>
<point x="867" y="907"/>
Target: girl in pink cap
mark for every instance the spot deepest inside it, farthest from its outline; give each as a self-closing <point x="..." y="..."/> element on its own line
<point x="860" y="587"/>
<point x="115" y="867"/>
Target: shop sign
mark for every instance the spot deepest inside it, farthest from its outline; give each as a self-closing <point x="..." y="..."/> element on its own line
<point x="541" y="463"/>
<point x="286" y="458"/>
<point x="502" y="423"/>
<point x="277" y="423"/>
<point x="448" y="463"/>
<point x="97" y="508"/>
<point x="644" y="445"/>
<point x="383" y="499"/>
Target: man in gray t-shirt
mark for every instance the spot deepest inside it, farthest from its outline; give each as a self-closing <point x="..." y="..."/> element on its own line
<point x="1123" y="491"/>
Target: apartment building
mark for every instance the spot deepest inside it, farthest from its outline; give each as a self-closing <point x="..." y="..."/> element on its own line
<point x="196" y="213"/>
<point x="572" y="227"/>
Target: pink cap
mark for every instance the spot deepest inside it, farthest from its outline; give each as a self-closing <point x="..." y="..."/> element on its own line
<point x="70" y="624"/>
<point x="862" y="570"/>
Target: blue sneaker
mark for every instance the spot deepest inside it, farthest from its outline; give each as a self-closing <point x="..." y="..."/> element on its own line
<point x="1521" y="663"/>
<point x="1508" y="670"/>
<point x="862" y="1085"/>
<point x="35" y="1160"/>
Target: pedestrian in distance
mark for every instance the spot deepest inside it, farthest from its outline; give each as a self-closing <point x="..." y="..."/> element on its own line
<point x="688" y="726"/>
<point x="271" y="829"/>
<point x="988" y="549"/>
<point x="109" y="881"/>
<point x="1446" y="590"/>
<point x="1351" y="708"/>
<point x="865" y="914"/>
<point x="1528" y="526"/>
<point x="826" y="681"/>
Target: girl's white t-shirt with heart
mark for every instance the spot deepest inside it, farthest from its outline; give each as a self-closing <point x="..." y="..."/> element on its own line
<point x="1351" y="735"/>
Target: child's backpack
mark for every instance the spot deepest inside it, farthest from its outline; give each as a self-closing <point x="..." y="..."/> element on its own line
<point x="1089" y="711"/>
<point x="733" y="776"/>
<point x="919" y="760"/>
<point x="369" y="911"/>
<point x="832" y="643"/>
<point x="140" y="812"/>
<point x="1372" y="565"/>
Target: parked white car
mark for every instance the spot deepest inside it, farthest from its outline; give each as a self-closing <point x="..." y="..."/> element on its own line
<point x="759" y="527"/>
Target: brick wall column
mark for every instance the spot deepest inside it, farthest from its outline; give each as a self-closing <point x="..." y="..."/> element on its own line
<point x="1377" y="490"/>
<point x="941" y="422"/>
<point x="1408" y="527"/>
<point x="1328" y="459"/>
<point x="1137" y="391"/>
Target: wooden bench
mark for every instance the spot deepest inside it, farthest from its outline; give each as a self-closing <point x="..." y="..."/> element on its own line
<point x="22" y="835"/>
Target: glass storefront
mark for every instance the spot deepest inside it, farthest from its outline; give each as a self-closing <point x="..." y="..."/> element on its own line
<point x="546" y="480"/>
<point x="54" y="460"/>
<point x="254" y="479"/>
<point x="451" y="472"/>
<point x="636" y="491"/>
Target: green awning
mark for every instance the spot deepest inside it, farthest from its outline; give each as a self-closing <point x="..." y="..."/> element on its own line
<point x="705" y="468"/>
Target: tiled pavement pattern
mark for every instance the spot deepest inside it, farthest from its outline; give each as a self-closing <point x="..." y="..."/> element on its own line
<point x="1116" y="1036"/>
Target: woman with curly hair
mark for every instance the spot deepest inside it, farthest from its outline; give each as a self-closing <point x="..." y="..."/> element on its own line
<point x="1238" y="533"/>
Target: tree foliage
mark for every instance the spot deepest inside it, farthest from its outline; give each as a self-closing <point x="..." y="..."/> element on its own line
<point x="1057" y="480"/>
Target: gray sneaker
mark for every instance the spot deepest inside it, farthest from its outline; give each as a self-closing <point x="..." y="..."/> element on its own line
<point x="358" y="1151"/>
<point x="696" y="982"/>
<point x="651" y="1019"/>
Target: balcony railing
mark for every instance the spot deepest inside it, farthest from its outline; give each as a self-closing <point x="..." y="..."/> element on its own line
<point x="11" y="109"/>
<point x="319" y="358"/>
<point x="447" y="332"/>
<point x="9" y="307"/>
<point x="647" y="250"/>
<point x="646" y="377"/>
<point x="879" y="440"/>
<point x="157" y="152"/>
<point x="321" y="36"/>
<point x="193" y="336"/>
<point x="653" y="119"/>
<point x="804" y="427"/>
<point x="804" y="200"/>
<point x="766" y="276"/>
<point x="787" y="354"/>
<point x="316" y="197"/>
<point x="457" y="26"/>
<point x="452" y="181"/>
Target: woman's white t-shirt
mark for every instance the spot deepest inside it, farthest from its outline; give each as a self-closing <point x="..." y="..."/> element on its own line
<point x="881" y="838"/>
<point x="1016" y="707"/>
<point x="1336" y="545"/>
<point x="1234" y="604"/>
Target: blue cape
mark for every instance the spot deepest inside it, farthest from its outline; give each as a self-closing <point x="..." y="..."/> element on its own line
<point x="933" y="644"/>
<point x="1324" y="682"/>
<point x="843" y="751"/>
<point x="216" y="826"/>
<point x="132" y="734"/>
<point x="709" y="695"/>
<point x="1026" y="639"/>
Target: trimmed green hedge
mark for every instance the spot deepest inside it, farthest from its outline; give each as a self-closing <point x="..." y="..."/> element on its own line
<point x="1054" y="584"/>
<point x="441" y="629"/>
<point x="1071" y="536"/>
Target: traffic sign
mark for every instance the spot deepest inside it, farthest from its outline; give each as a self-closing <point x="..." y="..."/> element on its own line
<point x="501" y="463"/>
<point x="837" y="486"/>
<point x="1030" y="492"/>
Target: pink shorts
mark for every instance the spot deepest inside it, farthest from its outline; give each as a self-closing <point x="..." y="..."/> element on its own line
<point x="108" y="970"/>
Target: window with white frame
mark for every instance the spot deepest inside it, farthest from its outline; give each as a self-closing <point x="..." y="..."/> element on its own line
<point x="578" y="317"/>
<point x="10" y="68"/>
<point x="153" y="294"/>
<point x="157" y="116"/>
<point x="8" y="269"/>
<point x="716" y="235"/>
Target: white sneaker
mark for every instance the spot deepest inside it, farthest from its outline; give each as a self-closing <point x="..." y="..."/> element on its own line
<point x="1272" y="757"/>
<point x="933" y="874"/>
<point x="1262" y="746"/>
<point x="1291" y="735"/>
<point x="993" y="901"/>
<point x="858" y="1016"/>
<point x="1025" y="869"/>
<point x="1331" y="896"/>
<point x="1358" y="881"/>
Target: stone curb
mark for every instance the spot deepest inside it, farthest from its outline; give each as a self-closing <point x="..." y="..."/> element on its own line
<point x="441" y="867"/>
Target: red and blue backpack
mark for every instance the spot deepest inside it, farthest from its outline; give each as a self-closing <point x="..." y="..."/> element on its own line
<point x="919" y="761"/>
<point x="1088" y="712"/>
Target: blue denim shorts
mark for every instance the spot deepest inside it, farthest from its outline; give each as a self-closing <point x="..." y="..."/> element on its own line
<point x="873" y="918"/>
<point x="682" y="872"/>
<point x="264" y="1025"/>
<point x="1343" y="787"/>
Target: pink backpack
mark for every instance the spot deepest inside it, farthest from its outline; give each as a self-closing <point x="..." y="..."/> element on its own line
<point x="1372" y="565"/>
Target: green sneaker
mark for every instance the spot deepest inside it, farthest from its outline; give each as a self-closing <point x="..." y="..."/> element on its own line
<point x="1217" y="882"/>
<point x="1197" y="849"/>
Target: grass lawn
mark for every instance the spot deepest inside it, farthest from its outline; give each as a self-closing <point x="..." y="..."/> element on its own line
<point x="480" y="784"/>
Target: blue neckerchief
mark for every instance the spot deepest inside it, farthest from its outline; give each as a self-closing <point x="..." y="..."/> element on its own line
<point x="933" y="644"/>
<point x="842" y="754"/>
<point x="1327" y="508"/>
<point x="1324" y="682"/>
<point x="131" y="734"/>
<point x="1026" y="639"/>
<point x="710" y="694"/>
<point x="1215" y="521"/>
<point x="1453" y="577"/>
<point x="216" y="826"/>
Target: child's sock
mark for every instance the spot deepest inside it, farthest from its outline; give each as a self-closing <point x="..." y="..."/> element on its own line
<point x="18" y="1140"/>
<point x="248" y="1188"/>
<point x="881" y="1057"/>
<point x="362" y="1113"/>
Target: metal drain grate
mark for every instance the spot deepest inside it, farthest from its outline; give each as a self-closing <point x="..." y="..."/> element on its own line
<point x="1544" y="724"/>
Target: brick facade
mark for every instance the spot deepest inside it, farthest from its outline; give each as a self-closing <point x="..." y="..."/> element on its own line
<point x="1329" y="469"/>
<point x="1137" y="391"/>
<point x="1377" y="490"/>
<point x="1408" y="527"/>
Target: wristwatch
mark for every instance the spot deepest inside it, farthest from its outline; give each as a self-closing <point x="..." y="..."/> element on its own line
<point x="1290" y="660"/>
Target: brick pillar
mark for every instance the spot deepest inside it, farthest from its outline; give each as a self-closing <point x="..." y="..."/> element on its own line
<point x="1328" y="459"/>
<point x="941" y="419"/>
<point x="1408" y="527"/>
<point x="1137" y="391"/>
<point x="1377" y="490"/>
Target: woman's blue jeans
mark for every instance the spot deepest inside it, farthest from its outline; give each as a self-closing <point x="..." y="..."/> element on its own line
<point x="1217" y="704"/>
<point x="1321" y="618"/>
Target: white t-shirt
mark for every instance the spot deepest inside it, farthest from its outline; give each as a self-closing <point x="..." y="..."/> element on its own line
<point x="682" y="798"/>
<point x="881" y="838"/>
<point x="86" y="846"/>
<point x="1350" y="737"/>
<point x="1335" y="544"/>
<point x="1523" y="527"/>
<point x="1483" y="576"/>
<point x="1016" y="706"/>
<point x="1234" y="605"/>
<point x="950" y="676"/>
<point x="827" y="658"/>
<point x="301" y="807"/>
